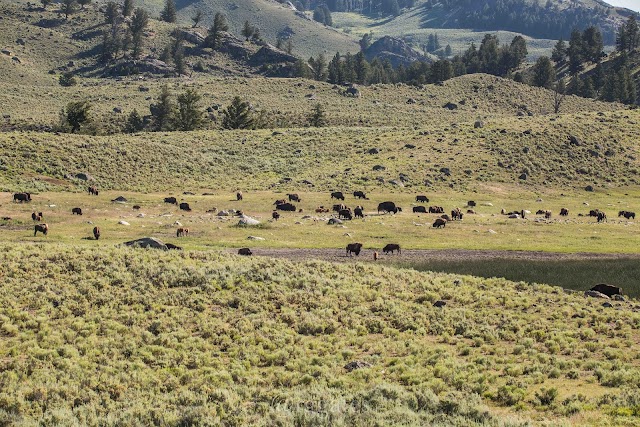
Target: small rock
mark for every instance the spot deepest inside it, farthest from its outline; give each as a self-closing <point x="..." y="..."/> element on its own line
<point x="122" y="222"/>
<point x="335" y="221"/>
<point x="607" y="305"/>
<point x="439" y="303"/>
<point x="356" y="364"/>
<point x="255" y="238"/>
<point x="588" y="188"/>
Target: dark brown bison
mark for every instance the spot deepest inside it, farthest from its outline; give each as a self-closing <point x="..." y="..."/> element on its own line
<point x="359" y="195"/>
<point x="594" y="213"/>
<point x="338" y="208"/>
<point x="93" y="190"/>
<point x="245" y="252"/>
<point x="345" y="214"/>
<point x="182" y="232"/>
<point x="43" y="228"/>
<point x="321" y="209"/>
<point x="387" y="207"/>
<point x="36" y="216"/>
<point x="436" y="209"/>
<point x="440" y="223"/>
<point x="422" y="199"/>
<point x="391" y="247"/>
<point x="419" y="209"/>
<point x="540" y="212"/>
<point x="171" y="200"/>
<point x="358" y="212"/>
<point x="337" y="195"/>
<point x="547" y="214"/>
<point x="293" y="197"/>
<point x="275" y="215"/>
<point x="471" y="204"/>
<point x="288" y="207"/>
<point x="456" y="214"/>
<point x="601" y="217"/>
<point x="445" y="217"/>
<point x="171" y="246"/>
<point x="22" y="197"/>
<point x="184" y="206"/>
<point x="354" y="248"/>
<point x="627" y="214"/>
<point x="76" y="211"/>
<point x="96" y="233"/>
<point x="564" y="212"/>
<point x="239" y="196"/>
<point x="136" y="207"/>
<point x="608" y="290"/>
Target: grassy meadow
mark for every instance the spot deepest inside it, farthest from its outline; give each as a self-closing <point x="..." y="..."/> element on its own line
<point x="117" y="336"/>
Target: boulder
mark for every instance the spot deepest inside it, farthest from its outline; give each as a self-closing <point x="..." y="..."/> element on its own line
<point x="119" y="199"/>
<point x="255" y="238"/>
<point x="356" y="364"/>
<point x="84" y="177"/>
<point x="147" y="242"/>
<point x="122" y="222"/>
<point x="450" y="106"/>
<point x="396" y="50"/>
<point x="439" y="303"/>
<point x="334" y="221"/>
<point x="248" y="221"/>
<point x="595" y="294"/>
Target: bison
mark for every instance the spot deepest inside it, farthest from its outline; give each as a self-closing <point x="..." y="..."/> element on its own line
<point x="338" y="208"/>
<point x="391" y="247"/>
<point x="594" y="213"/>
<point x="275" y="215"/>
<point x="422" y="199"/>
<point x="43" y="228"/>
<point x="171" y="200"/>
<point x="387" y="207"/>
<point x="279" y="202"/>
<point x="627" y="214"/>
<point x="286" y="207"/>
<point x="182" y="232"/>
<point x="239" y="196"/>
<point x="359" y="195"/>
<point x="321" y="209"/>
<point x="358" y="212"/>
<point x="294" y="197"/>
<point x="608" y="290"/>
<point x="337" y="195"/>
<point x="436" y="209"/>
<point x="440" y="223"/>
<point x="36" y="216"/>
<point x="547" y="214"/>
<point x="419" y="209"/>
<point x="96" y="232"/>
<point x="184" y="206"/>
<point x="471" y="204"/>
<point x="345" y="213"/>
<point x="354" y="248"/>
<point x="601" y="217"/>
<point x="93" y="190"/>
<point x="456" y="214"/>
<point x="76" y="211"/>
<point x="22" y="197"/>
<point x="245" y="252"/>
<point x="564" y="212"/>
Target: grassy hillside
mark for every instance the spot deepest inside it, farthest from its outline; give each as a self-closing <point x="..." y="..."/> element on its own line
<point x="132" y="336"/>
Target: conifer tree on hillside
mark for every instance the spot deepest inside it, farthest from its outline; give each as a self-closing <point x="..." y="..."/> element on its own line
<point x="169" y="13"/>
<point x="196" y="18"/>
<point x="215" y="32"/>
<point x="189" y="116"/>
<point x="163" y="112"/>
<point x="238" y="115"/>
<point x="127" y="8"/>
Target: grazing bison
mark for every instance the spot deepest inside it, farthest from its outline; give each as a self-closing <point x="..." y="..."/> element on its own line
<point x="564" y="212"/>
<point x="337" y="195"/>
<point x="419" y="209"/>
<point x="275" y="215"/>
<point x="245" y="252"/>
<point x="338" y="208"/>
<point x="627" y="214"/>
<point x="358" y="212"/>
<point x="608" y="290"/>
<point x="239" y="196"/>
<point x="345" y="213"/>
<point x="391" y="247"/>
<point x="96" y="233"/>
<point x="387" y="207"/>
<point x="359" y="195"/>
<point x="22" y="197"/>
<point x="286" y="207"/>
<point x="456" y="214"/>
<point x="171" y="200"/>
<point x="184" y="206"/>
<point x="445" y="217"/>
<point x="76" y="211"/>
<point x="436" y="209"/>
<point x="422" y="199"/>
<point x="36" y="216"/>
<point x="321" y="209"/>
<point x="354" y="248"/>
<point x="540" y="212"/>
<point x="93" y="190"/>
<point x="182" y="232"/>
<point x="43" y="228"/>
<point x="547" y="214"/>
<point x="594" y="213"/>
<point x="136" y="207"/>
<point x="471" y="204"/>
<point x="440" y="223"/>
<point x="601" y="216"/>
<point x="293" y="197"/>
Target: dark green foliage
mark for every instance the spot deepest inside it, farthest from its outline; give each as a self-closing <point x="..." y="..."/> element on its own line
<point x="163" y="112"/>
<point x="366" y="41"/>
<point x="134" y="122"/>
<point x="127" y="8"/>
<point x="576" y="52"/>
<point x="628" y="37"/>
<point x="196" y="18"/>
<point x="138" y="23"/>
<point x="169" y="13"/>
<point x="67" y="79"/>
<point x="111" y="13"/>
<point x="189" y="116"/>
<point x="543" y="73"/>
<point x="546" y="396"/>
<point x="68" y="7"/>
<point x="317" y="117"/>
<point x="592" y="44"/>
<point x="248" y="30"/>
<point x="318" y="68"/>
<point x="76" y="114"/>
<point x="559" y="53"/>
<point x="322" y="14"/>
<point x="238" y="115"/>
<point x="215" y="32"/>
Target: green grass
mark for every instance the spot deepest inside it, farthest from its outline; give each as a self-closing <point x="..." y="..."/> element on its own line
<point x="568" y="274"/>
<point x="115" y="336"/>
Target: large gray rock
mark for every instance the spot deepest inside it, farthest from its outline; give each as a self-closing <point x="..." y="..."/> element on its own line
<point x="396" y="50"/>
<point x="595" y="294"/>
<point x="248" y="221"/>
<point x="147" y="242"/>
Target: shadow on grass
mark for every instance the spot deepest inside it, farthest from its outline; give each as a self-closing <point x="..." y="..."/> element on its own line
<point x="570" y="274"/>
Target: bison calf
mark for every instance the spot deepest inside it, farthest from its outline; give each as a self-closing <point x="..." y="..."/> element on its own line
<point x="43" y="228"/>
<point x="182" y="232"/>
<point x="96" y="233"/>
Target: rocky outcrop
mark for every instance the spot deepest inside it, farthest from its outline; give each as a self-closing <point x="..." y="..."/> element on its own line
<point x="397" y="51"/>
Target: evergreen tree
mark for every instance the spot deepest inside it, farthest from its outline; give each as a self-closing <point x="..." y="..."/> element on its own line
<point x="318" y="68"/>
<point x="543" y="72"/>
<point x="576" y="52"/>
<point x="575" y="85"/>
<point x="215" y="32"/>
<point x="365" y="41"/>
<point x="361" y="69"/>
<point x="196" y="18"/>
<point x="559" y="53"/>
<point x="111" y="13"/>
<point x="588" y="90"/>
<point x="68" y="7"/>
<point x="289" y="48"/>
<point x="238" y="115"/>
<point x="301" y="69"/>
<point x="317" y="117"/>
<point x="127" y="8"/>
<point x="163" y="112"/>
<point x="247" y="30"/>
<point x="189" y="116"/>
<point x="169" y="13"/>
<point x="592" y="44"/>
<point x="448" y="51"/>
<point x="134" y="122"/>
<point x="138" y="23"/>
<point x="334" y="70"/>
<point x="76" y="115"/>
<point x="318" y="15"/>
<point x="609" y="88"/>
<point x="328" y="19"/>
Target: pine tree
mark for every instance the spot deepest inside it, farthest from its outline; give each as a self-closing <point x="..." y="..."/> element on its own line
<point x="169" y="13"/>
<point x="196" y="18"/>
<point x="76" y="115"/>
<point x="238" y="115"/>
<point x="543" y="72"/>
<point x="247" y="30"/>
<point x="334" y="70"/>
<point x="134" y="122"/>
<point x="592" y="44"/>
<point x="289" y="48"/>
<point x="317" y="117"/>
<point x="318" y="15"/>
<point x="318" y="68"/>
<point x="111" y="13"/>
<point x="138" y="23"/>
<point x="163" y="112"/>
<point x="588" y="90"/>
<point x="576" y="52"/>
<point x="127" y="8"/>
<point x="189" y="116"/>
<point x="68" y="7"/>
<point x="559" y="53"/>
<point x="215" y="32"/>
